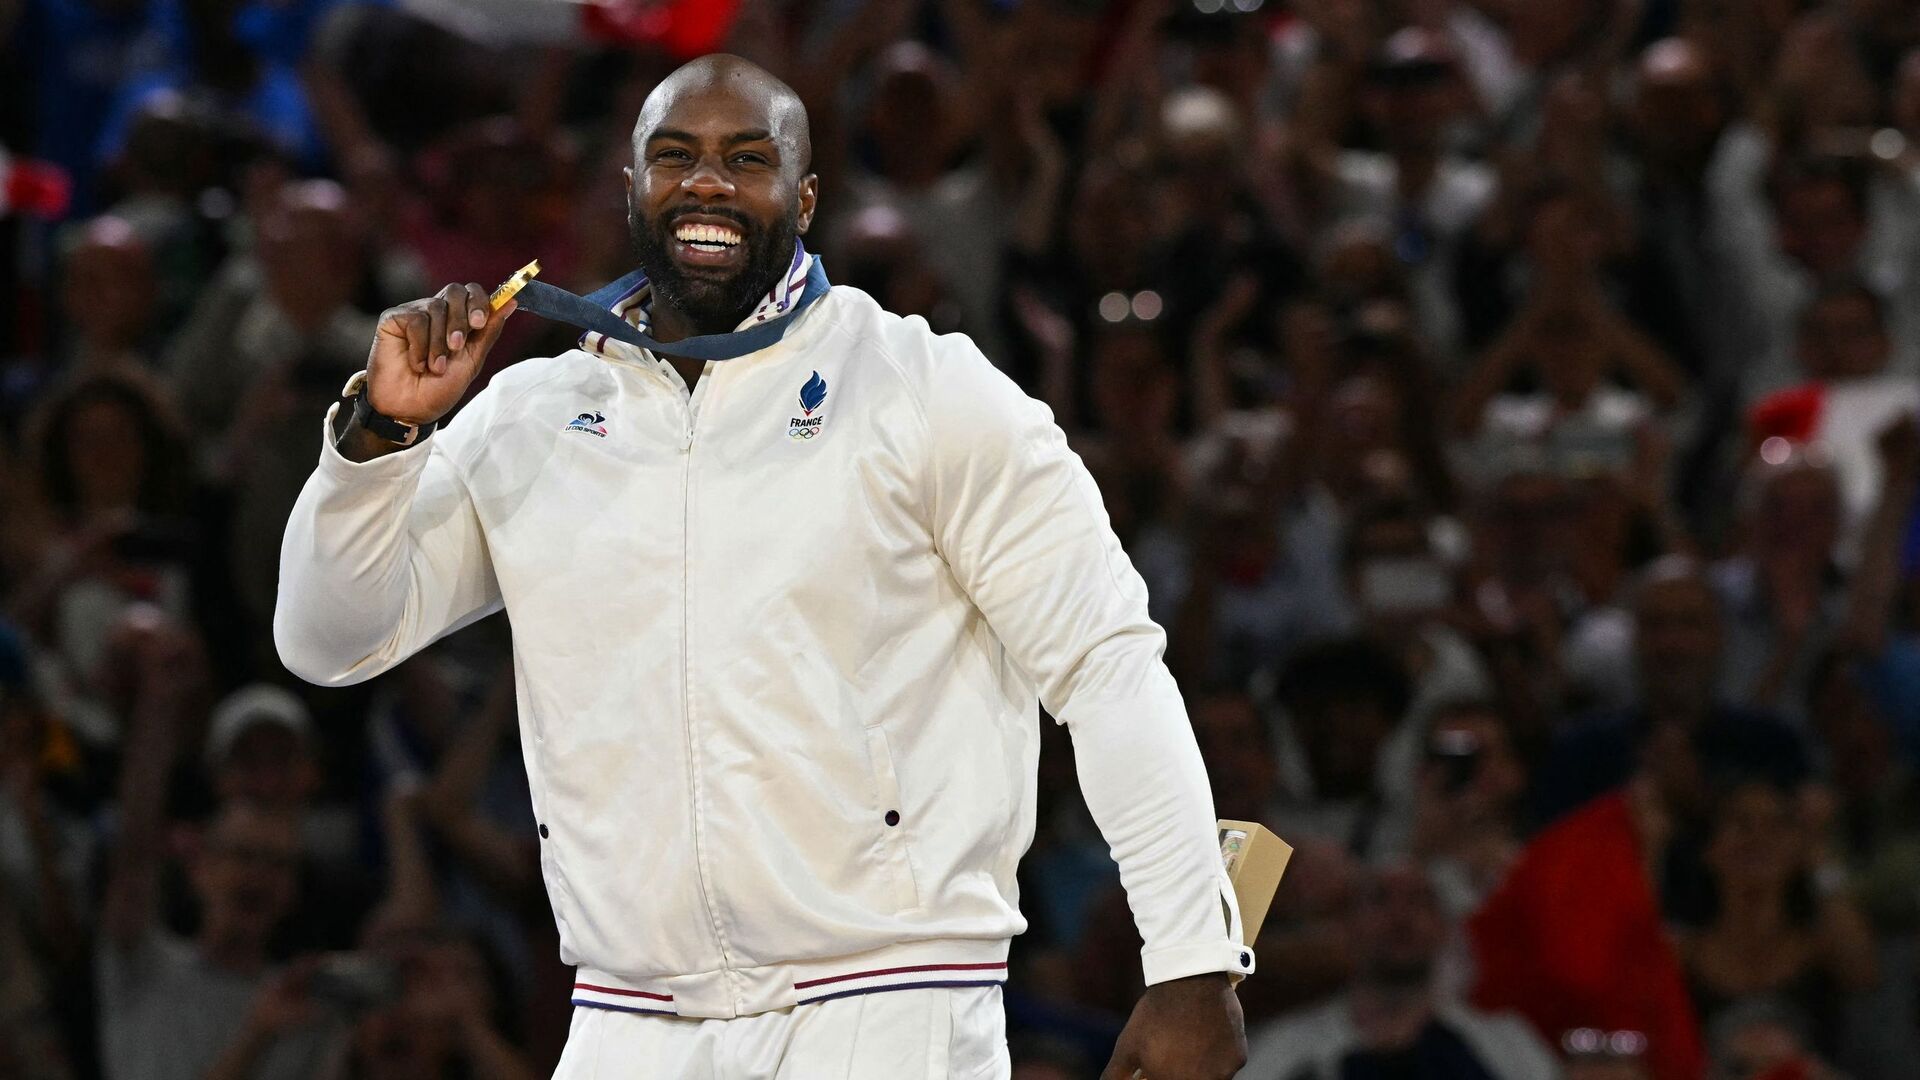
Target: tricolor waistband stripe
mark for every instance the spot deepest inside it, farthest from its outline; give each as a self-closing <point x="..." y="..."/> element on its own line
<point x="623" y="1008"/>
<point x="1001" y="966"/>
<point x="899" y="986"/>
<point x="622" y="993"/>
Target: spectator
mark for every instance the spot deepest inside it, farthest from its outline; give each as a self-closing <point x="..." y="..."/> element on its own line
<point x="261" y="752"/>
<point x="1255" y="587"/>
<point x="1469" y="805"/>
<point x="1574" y="937"/>
<point x="1115" y="243"/>
<point x="1390" y="1020"/>
<point x="289" y="310"/>
<point x="1522" y="595"/>
<point x="1239" y="753"/>
<point x="1340" y="699"/>
<point x="1421" y="188"/>
<point x="1682" y="125"/>
<point x="1678" y="649"/>
<point x="108" y="297"/>
<point x="1877" y="797"/>
<point x="1820" y="208"/>
<point x="1403" y="584"/>
<point x="883" y="259"/>
<point x="1571" y="340"/>
<point x="416" y="1005"/>
<point x="1850" y="398"/>
<point x="1781" y="590"/>
<point x="169" y="1006"/>
<point x="497" y="194"/>
<point x="1780" y="926"/>
<point x="108" y="527"/>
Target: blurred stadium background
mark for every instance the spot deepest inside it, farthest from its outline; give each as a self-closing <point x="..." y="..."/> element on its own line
<point x="1507" y="401"/>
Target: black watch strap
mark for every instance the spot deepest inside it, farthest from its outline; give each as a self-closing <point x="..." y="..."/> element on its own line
<point x="386" y="427"/>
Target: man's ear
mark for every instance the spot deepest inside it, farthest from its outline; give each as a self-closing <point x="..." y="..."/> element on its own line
<point x="809" y="196"/>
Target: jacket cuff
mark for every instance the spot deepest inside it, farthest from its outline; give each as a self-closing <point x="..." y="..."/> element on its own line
<point x="1199" y="958"/>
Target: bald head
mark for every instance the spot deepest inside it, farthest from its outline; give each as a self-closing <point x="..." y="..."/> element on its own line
<point x="1678" y="108"/>
<point x="719" y="193"/>
<point x="750" y="88"/>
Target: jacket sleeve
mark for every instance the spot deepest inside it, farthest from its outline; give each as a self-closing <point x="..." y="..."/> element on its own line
<point x="380" y="559"/>
<point x="1017" y="518"/>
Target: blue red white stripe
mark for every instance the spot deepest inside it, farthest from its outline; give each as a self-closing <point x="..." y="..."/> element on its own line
<point x="810" y="991"/>
<point x="619" y="999"/>
<point x="911" y="977"/>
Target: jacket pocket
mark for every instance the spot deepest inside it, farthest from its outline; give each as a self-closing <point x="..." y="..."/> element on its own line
<point x="895" y="852"/>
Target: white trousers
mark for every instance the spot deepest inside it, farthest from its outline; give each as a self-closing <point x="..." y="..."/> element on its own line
<point x="934" y="1033"/>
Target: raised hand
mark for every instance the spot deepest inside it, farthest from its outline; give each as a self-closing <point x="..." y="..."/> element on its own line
<point x="427" y="352"/>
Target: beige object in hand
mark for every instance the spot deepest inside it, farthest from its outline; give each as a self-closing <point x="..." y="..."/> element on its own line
<point x="1255" y="859"/>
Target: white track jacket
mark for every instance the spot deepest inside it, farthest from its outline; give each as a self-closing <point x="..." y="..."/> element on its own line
<point x="777" y="647"/>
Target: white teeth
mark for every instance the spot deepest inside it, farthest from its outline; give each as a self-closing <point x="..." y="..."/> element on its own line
<point x="706" y="234"/>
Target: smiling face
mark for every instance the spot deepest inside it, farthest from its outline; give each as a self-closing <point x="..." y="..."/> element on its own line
<point x="718" y="191"/>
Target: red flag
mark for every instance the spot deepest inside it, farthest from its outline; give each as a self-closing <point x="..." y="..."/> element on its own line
<point x="684" y="28"/>
<point x="33" y="187"/>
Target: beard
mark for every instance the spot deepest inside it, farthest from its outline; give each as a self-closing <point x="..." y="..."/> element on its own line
<point x="714" y="303"/>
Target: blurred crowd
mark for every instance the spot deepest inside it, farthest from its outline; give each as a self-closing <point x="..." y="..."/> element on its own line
<point x="1508" y="403"/>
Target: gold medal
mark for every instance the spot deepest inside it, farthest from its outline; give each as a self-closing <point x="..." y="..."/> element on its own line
<point x="514" y="284"/>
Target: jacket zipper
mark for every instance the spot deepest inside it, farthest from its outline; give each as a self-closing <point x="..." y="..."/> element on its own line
<point x="702" y="873"/>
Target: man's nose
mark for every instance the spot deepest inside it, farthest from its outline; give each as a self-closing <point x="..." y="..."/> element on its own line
<point x="707" y="181"/>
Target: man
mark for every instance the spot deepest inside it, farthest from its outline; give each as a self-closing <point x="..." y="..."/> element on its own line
<point x="1849" y="396"/>
<point x="1424" y="190"/>
<point x="779" y="625"/>
<point x="1824" y="238"/>
<point x="260" y="749"/>
<point x="1391" y="1021"/>
<point x="170" y="1007"/>
<point x="260" y="753"/>
<point x="1678" y="653"/>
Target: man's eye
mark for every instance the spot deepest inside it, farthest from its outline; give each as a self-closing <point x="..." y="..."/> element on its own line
<point x="671" y="155"/>
<point x="753" y="158"/>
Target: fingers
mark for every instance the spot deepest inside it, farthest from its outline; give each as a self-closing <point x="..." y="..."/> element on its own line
<point x="455" y="326"/>
<point x="437" y="349"/>
<point x="466" y="362"/>
<point x="408" y="325"/>
<point x="466" y="312"/>
<point x="464" y="327"/>
<point x="479" y="305"/>
<point x="492" y="322"/>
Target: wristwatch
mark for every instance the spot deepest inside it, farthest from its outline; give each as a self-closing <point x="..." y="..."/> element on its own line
<point x="386" y="427"/>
